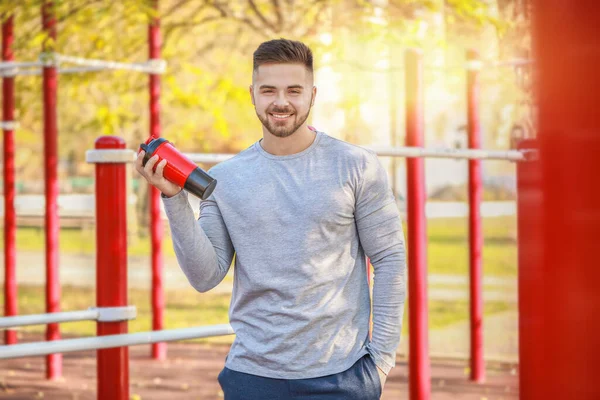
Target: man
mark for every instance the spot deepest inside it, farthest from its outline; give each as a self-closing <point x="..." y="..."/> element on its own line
<point x="300" y="210"/>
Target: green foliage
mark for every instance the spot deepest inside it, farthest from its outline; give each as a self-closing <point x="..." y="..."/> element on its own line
<point x="208" y="45"/>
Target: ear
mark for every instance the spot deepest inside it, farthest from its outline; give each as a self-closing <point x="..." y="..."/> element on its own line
<point x="251" y="90"/>
<point x="314" y="95"/>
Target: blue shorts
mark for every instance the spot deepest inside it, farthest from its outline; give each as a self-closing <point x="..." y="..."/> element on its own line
<point x="359" y="382"/>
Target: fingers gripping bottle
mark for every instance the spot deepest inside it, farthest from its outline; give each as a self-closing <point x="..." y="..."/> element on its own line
<point x="179" y="169"/>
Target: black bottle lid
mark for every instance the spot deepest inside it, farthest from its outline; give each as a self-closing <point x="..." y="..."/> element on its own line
<point x="151" y="148"/>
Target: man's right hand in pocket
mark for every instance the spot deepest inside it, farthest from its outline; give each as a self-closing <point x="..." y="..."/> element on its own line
<point x="156" y="178"/>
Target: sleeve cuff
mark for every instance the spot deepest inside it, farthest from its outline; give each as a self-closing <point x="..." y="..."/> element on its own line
<point x="174" y="202"/>
<point x="380" y="362"/>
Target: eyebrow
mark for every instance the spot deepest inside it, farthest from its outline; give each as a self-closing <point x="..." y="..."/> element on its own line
<point x="273" y="87"/>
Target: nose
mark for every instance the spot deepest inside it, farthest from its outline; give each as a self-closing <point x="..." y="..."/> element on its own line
<point x="280" y="100"/>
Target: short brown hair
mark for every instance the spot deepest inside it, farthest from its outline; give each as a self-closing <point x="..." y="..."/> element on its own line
<point x="283" y="51"/>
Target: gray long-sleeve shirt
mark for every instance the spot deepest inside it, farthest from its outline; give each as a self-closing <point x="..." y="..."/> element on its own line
<point x="300" y="227"/>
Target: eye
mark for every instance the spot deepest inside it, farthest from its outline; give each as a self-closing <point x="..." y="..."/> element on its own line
<point x="295" y="91"/>
<point x="267" y="91"/>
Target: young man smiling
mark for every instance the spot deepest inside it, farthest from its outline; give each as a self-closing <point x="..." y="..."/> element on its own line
<point x="300" y="211"/>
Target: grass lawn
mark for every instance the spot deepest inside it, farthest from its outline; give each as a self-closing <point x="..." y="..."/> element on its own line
<point x="187" y="308"/>
<point x="447" y="254"/>
<point x="448" y="246"/>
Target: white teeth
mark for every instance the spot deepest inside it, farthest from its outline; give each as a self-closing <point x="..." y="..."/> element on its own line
<point x="281" y="116"/>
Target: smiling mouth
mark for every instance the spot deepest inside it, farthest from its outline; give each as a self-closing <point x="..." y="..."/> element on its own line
<point x="280" y="116"/>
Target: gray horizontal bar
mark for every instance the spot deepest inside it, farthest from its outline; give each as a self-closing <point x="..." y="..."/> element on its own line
<point x="105" y="314"/>
<point x="51" y="318"/>
<point x="467" y="154"/>
<point x="111" y="341"/>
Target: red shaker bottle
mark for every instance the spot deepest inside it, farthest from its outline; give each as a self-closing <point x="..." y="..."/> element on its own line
<point x="179" y="169"/>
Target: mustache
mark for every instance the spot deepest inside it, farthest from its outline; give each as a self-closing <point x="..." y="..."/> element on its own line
<point x="281" y="110"/>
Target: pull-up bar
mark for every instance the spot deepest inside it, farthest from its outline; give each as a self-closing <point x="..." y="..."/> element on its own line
<point x="474" y="65"/>
<point x="102" y="314"/>
<point x="154" y="66"/>
<point x="9" y="125"/>
<point x="409" y="152"/>
<point x="112" y="341"/>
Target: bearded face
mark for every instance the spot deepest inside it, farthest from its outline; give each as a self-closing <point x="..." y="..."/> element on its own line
<point x="282" y="95"/>
<point x="282" y="121"/>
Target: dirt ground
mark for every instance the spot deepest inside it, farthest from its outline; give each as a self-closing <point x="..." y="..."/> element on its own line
<point x="191" y="370"/>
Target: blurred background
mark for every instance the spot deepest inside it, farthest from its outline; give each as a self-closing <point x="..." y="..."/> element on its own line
<point x="205" y="107"/>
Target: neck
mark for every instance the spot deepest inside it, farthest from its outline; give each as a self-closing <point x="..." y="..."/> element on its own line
<point x="295" y="143"/>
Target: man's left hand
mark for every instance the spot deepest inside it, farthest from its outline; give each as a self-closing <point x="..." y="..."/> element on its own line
<point x="382" y="377"/>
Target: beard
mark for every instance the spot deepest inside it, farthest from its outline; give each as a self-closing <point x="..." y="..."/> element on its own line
<point x="285" y="127"/>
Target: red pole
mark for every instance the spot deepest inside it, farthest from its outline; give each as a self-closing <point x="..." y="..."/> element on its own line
<point x="568" y="94"/>
<point x="111" y="268"/>
<point x="475" y="228"/>
<point x="419" y="369"/>
<point x="529" y="203"/>
<point x="53" y="361"/>
<point x="10" y="219"/>
<point x="159" y="350"/>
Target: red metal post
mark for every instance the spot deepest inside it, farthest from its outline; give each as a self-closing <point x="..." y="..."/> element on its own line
<point x="111" y="268"/>
<point x="419" y="368"/>
<point x="53" y="361"/>
<point x="10" y="219"/>
<point x="475" y="228"/>
<point x="567" y="90"/>
<point x="529" y="203"/>
<point x="159" y="350"/>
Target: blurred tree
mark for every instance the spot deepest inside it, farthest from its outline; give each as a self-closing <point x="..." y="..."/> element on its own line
<point x="208" y="46"/>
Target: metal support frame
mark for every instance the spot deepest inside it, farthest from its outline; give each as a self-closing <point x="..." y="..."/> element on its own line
<point x="9" y="125"/>
<point x="477" y="373"/>
<point x="105" y="314"/>
<point x="8" y="164"/>
<point x="51" y="59"/>
<point x="110" y="156"/>
<point x="408" y="152"/>
<point x="51" y="190"/>
<point x="159" y="350"/>
<point x="112" y="341"/>
<point x="418" y="312"/>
